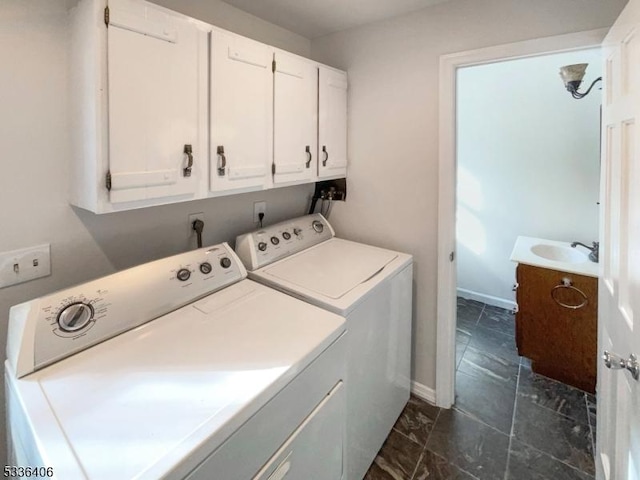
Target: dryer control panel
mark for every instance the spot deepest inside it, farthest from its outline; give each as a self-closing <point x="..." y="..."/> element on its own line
<point x="47" y="329"/>
<point x="267" y="245"/>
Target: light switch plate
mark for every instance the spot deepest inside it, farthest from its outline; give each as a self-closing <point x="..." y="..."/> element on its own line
<point x="18" y="266"/>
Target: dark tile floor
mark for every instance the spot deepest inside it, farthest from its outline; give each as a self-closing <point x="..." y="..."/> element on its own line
<point x="508" y="423"/>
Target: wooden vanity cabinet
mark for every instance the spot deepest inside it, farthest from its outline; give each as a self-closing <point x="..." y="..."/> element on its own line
<point x="560" y="341"/>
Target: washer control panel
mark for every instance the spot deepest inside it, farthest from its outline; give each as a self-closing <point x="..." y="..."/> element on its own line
<point x="53" y="327"/>
<point x="267" y="245"/>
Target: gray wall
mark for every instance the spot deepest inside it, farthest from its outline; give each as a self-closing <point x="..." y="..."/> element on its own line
<point x="393" y="129"/>
<point x="35" y="152"/>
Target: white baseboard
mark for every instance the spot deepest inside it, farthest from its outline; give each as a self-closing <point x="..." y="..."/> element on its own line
<point x="488" y="299"/>
<point x="424" y="392"/>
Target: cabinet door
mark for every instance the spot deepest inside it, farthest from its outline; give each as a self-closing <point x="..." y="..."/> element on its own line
<point x="556" y="324"/>
<point x="155" y="63"/>
<point x="241" y="113"/>
<point x="295" y="119"/>
<point x="332" y="132"/>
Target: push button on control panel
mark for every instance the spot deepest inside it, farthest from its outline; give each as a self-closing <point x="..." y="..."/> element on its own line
<point x="275" y="240"/>
<point x="225" y="262"/>
<point x="262" y="246"/>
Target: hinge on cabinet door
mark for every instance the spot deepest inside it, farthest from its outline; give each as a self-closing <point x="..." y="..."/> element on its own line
<point x="273" y="169"/>
<point x="108" y="181"/>
<point x="273" y="66"/>
<point x="452" y="256"/>
<point x="106" y="16"/>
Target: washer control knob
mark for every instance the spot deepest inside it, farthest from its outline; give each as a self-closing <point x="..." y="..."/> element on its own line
<point x="225" y="262"/>
<point x="297" y="231"/>
<point x="75" y="317"/>
<point x="262" y="246"/>
<point x="275" y="240"/>
<point x="206" y="268"/>
<point x="317" y="226"/>
<point x="183" y="274"/>
<point x="286" y="235"/>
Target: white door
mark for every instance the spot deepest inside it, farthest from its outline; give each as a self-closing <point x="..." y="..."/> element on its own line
<point x="155" y="63"/>
<point x="241" y="113"/>
<point x="332" y="130"/>
<point x="618" y="438"/>
<point x="295" y="119"/>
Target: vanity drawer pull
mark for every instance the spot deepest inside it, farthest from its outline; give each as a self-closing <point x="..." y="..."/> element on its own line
<point x="567" y="283"/>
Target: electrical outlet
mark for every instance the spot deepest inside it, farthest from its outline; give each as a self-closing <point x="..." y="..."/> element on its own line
<point x="192" y="218"/>
<point x="26" y="264"/>
<point x="258" y="208"/>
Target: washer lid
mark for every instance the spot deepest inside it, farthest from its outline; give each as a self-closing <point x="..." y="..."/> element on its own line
<point x="140" y="404"/>
<point x="332" y="268"/>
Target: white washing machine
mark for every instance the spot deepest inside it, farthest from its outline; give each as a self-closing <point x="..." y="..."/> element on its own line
<point x="179" y="368"/>
<point x="372" y="288"/>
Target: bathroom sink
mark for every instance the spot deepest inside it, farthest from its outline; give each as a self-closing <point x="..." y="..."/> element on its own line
<point x="559" y="253"/>
<point x="554" y="255"/>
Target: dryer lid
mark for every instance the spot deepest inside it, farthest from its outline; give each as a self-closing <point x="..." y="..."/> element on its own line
<point x="332" y="268"/>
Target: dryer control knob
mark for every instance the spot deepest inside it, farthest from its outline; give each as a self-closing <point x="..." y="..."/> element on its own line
<point x="183" y="274"/>
<point x="75" y="317"/>
<point x="262" y="246"/>
<point x="206" y="268"/>
<point x="286" y="235"/>
<point x="317" y="226"/>
<point x="225" y="262"/>
<point x="275" y="240"/>
<point x="297" y="231"/>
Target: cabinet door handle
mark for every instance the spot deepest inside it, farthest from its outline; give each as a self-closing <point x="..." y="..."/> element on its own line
<point x="308" y="150"/>
<point x="188" y="151"/>
<point x="223" y="160"/>
<point x="326" y="155"/>
<point x="567" y="283"/>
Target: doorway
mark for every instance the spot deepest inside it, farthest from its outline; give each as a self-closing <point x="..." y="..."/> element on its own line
<point x="447" y="282"/>
<point x="527" y="164"/>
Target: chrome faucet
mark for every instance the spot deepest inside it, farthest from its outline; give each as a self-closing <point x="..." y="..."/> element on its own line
<point x="594" y="256"/>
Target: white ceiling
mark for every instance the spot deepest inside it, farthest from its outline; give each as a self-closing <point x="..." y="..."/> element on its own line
<point x="315" y="18"/>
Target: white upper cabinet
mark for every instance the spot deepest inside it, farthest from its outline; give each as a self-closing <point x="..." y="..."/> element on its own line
<point x="295" y="117"/>
<point x="154" y="107"/>
<point x="241" y="113"/>
<point x="332" y="130"/>
<point x="138" y="121"/>
<point x="166" y="108"/>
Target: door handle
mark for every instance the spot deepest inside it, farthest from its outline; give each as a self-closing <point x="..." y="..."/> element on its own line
<point x="223" y="160"/>
<point x="308" y="150"/>
<point x="188" y="151"/>
<point x="326" y="155"/>
<point x="616" y="362"/>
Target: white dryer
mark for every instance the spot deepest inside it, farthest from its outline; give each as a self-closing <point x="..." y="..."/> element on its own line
<point x="179" y="368"/>
<point x="372" y="288"/>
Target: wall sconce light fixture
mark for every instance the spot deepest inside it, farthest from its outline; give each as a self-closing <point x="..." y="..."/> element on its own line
<point x="572" y="76"/>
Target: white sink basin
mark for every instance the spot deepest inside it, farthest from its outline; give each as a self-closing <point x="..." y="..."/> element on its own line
<point x="559" y="253"/>
<point x="555" y="255"/>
